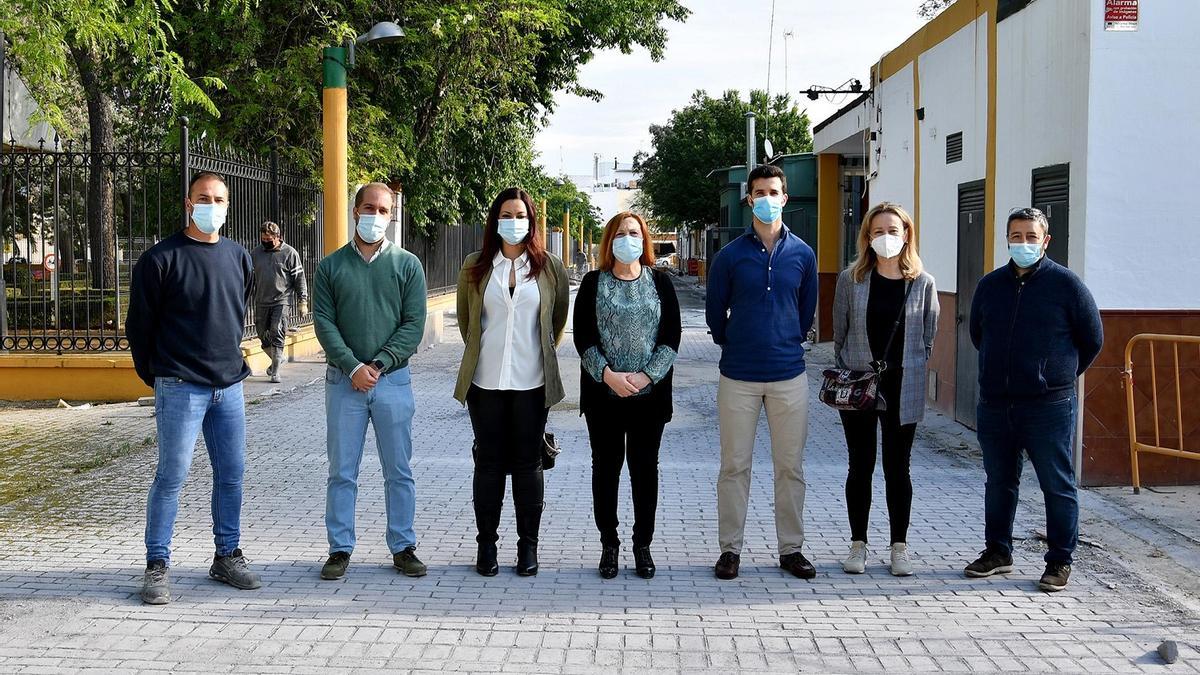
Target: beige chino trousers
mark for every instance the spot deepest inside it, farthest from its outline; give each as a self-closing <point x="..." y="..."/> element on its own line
<point x="739" y="405"/>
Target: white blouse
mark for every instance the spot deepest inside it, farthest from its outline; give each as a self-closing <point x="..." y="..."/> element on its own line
<point x="510" y="354"/>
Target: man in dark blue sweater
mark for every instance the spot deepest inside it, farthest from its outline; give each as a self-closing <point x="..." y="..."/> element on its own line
<point x="187" y="308"/>
<point x="762" y="297"/>
<point x="1037" y="330"/>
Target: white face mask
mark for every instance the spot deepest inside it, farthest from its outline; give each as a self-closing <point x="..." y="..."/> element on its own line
<point x="209" y="217"/>
<point x="372" y="226"/>
<point x="887" y="245"/>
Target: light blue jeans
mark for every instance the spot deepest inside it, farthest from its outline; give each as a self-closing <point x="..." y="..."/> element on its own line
<point x="389" y="406"/>
<point x="182" y="411"/>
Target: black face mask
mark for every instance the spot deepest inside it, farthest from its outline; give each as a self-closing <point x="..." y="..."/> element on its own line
<point x="269" y="245"/>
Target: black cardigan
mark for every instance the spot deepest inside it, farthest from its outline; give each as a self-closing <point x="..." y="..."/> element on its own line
<point x="593" y="395"/>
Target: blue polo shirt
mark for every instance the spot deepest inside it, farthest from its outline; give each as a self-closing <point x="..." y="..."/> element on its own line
<point x="761" y="305"/>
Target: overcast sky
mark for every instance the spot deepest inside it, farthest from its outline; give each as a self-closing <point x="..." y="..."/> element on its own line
<point x="723" y="45"/>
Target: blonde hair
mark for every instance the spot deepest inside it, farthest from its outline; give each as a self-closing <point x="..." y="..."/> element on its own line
<point x="910" y="263"/>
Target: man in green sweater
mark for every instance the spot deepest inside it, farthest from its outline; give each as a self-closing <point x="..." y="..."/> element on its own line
<point x="369" y="311"/>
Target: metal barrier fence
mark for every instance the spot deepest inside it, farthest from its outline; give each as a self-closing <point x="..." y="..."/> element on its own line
<point x="76" y="222"/>
<point x="1174" y="384"/>
<point x="442" y="251"/>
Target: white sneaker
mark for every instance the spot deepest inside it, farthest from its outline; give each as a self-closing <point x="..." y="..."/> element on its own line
<point x="856" y="561"/>
<point x="901" y="563"/>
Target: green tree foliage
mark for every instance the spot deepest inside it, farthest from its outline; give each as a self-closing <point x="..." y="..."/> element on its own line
<point x="931" y="8"/>
<point x="710" y="133"/>
<point x="449" y="112"/>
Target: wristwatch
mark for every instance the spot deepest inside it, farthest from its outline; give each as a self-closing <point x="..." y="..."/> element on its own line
<point x="377" y="365"/>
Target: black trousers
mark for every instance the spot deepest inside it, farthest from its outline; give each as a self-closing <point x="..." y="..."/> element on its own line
<point x="618" y="430"/>
<point x="508" y="427"/>
<point x="860" y="428"/>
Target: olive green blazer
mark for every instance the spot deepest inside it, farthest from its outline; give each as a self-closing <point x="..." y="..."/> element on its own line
<point x="554" y="288"/>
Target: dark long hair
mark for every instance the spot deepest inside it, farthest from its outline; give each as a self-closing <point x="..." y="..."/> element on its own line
<point x="534" y="249"/>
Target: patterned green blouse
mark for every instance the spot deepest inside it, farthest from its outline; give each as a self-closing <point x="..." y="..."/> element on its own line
<point x="627" y="315"/>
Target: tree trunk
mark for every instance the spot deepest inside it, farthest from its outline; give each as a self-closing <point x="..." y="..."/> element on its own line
<point x="102" y="239"/>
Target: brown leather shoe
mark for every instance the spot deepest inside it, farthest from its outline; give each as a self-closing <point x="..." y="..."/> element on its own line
<point x="727" y="565"/>
<point x="798" y="565"/>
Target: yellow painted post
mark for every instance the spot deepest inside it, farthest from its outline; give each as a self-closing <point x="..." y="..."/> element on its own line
<point x="333" y="123"/>
<point x="542" y="224"/>
<point x="566" y="250"/>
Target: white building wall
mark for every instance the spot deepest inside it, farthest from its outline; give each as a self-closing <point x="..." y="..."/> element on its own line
<point x="953" y="79"/>
<point x="890" y="167"/>
<point x="1041" y="112"/>
<point x="1144" y="159"/>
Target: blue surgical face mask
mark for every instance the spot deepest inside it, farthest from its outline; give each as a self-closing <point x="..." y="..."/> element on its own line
<point x="371" y="226"/>
<point x="627" y="248"/>
<point x="768" y="208"/>
<point x="1025" y="255"/>
<point x="513" y="230"/>
<point x="209" y="217"/>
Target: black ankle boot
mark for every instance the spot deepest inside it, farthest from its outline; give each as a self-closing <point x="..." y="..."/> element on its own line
<point x="488" y="489"/>
<point x="486" y="563"/>
<point x="608" y="562"/>
<point x="528" y="495"/>
<point x="643" y="563"/>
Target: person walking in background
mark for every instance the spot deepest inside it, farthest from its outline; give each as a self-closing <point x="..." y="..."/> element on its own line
<point x="885" y="313"/>
<point x="513" y="300"/>
<point x="761" y="303"/>
<point x="1037" y="330"/>
<point x="627" y="331"/>
<point x="369" y="313"/>
<point x="187" y="307"/>
<point x="278" y="277"/>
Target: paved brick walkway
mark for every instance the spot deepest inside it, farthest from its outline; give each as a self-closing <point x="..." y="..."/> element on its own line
<point x="70" y="565"/>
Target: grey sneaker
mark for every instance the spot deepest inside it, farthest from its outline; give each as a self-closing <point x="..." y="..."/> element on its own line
<point x="234" y="570"/>
<point x="856" y="560"/>
<point x="275" y="378"/>
<point x="335" y="567"/>
<point x="156" y="586"/>
<point x="901" y="562"/>
<point x="274" y="366"/>
<point x="407" y="562"/>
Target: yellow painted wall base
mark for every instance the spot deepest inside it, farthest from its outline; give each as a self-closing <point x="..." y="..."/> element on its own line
<point x="110" y="377"/>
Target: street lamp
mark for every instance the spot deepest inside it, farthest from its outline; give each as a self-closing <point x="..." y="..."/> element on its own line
<point x="336" y="61"/>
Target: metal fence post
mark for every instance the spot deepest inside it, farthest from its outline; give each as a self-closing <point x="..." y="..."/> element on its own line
<point x="275" y="216"/>
<point x="3" y="109"/>
<point x="185" y="168"/>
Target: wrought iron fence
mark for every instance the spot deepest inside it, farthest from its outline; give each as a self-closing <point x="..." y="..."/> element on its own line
<point x="442" y="251"/>
<point x="74" y="222"/>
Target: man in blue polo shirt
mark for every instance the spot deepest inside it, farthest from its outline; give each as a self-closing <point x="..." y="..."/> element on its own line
<point x="762" y="296"/>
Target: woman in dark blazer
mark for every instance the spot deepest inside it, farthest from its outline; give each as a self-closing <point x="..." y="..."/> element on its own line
<point x="513" y="299"/>
<point x="627" y="331"/>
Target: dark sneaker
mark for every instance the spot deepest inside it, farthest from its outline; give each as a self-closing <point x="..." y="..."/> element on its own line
<point x="407" y="562"/>
<point x="1055" y="577"/>
<point x="798" y="565"/>
<point x="608" y="562"/>
<point x="234" y="569"/>
<point x="990" y="562"/>
<point x="156" y="586"/>
<point x="727" y="565"/>
<point x="642" y="562"/>
<point x="335" y="567"/>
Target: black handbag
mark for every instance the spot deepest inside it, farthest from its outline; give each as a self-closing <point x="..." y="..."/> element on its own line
<point x="845" y="389"/>
<point x="549" y="451"/>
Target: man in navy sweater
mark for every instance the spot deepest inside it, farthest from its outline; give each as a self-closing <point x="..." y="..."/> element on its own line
<point x="762" y="297"/>
<point x="1037" y="330"/>
<point x="187" y="309"/>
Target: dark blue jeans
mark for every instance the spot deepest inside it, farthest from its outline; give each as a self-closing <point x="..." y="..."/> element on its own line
<point x="1045" y="431"/>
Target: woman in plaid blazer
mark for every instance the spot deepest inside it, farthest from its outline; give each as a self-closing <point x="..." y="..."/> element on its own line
<point x="885" y="311"/>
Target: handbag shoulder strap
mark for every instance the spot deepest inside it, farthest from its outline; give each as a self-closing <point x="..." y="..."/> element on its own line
<point x="881" y="365"/>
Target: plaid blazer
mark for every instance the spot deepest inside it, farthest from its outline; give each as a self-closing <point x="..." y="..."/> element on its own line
<point x="852" y="349"/>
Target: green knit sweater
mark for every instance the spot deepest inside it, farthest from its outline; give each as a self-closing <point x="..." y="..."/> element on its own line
<point x="365" y="312"/>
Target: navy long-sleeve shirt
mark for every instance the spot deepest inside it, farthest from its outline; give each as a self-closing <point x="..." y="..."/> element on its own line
<point x="761" y="305"/>
<point x="187" y="309"/>
<point x="1035" y="333"/>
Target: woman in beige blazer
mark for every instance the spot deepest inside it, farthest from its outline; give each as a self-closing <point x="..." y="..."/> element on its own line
<point x="512" y="308"/>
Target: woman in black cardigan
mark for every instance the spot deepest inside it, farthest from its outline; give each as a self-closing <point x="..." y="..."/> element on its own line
<point x="627" y="331"/>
